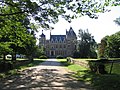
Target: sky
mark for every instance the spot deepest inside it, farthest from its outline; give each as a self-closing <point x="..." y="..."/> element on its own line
<point x="99" y="28"/>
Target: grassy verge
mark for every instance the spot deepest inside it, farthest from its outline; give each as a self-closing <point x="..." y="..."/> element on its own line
<point x="21" y="67"/>
<point x="31" y="64"/>
<point x="115" y="68"/>
<point x="97" y="81"/>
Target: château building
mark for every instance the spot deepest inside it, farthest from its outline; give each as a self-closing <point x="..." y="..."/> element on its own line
<point x="63" y="45"/>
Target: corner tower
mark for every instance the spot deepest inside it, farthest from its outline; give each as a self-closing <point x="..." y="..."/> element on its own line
<point x="71" y="34"/>
<point x="71" y="38"/>
<point x="42" y="39"/>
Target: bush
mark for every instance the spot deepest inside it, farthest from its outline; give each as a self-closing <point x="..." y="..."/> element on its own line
<point x="59" y="57"/>
<point x="43" y="57"/>
<point x="97" y="67"/>
<point x="5" y="66"/>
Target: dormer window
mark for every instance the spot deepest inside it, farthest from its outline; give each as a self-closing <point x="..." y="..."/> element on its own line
<point x="60" y="40"/>
<point x="56" y="40"/>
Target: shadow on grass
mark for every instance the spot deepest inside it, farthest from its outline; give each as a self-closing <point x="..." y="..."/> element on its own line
<point x="97" y="81"/>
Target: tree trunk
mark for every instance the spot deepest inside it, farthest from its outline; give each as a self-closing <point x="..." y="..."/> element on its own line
<point x="30" y="58"/>
<point x="14" y="56"/>
<point x="101" y="69"/>
<point x="4" y="58"/>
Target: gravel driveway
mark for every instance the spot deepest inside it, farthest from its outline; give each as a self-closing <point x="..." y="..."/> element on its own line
<point x="49" y="75"/>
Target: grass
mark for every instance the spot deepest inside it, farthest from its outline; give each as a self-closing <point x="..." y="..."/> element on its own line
<point x="97" y="81"/>
<point x="85" y="59"/>
<point x="115" y="69"/>
<point x="31" y="64"/>
<point x="21" y="67"/>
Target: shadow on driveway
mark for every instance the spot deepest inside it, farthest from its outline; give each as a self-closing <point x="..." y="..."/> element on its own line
<point x="43" y="79"/>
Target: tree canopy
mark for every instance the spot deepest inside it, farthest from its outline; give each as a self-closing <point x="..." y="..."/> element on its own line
<point x="86" y="45"/>
<point x="15" y="16"/>
<point x="47" y="11"/>
<point x="110" y="46"/>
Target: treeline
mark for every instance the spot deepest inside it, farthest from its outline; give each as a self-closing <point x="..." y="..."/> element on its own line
<point x="86" y="45"/>
<point x="110" y="46"/>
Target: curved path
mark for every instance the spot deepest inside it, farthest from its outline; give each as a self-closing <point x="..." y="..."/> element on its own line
<point x="49" y="75"/>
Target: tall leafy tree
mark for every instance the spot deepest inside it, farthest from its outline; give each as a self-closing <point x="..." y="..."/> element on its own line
<point x="47" y="11"/>
<point x="102" y="47"/>
<point x="86" y="44"/>
<point x="14" y="30"/>
<point x="113" y="47"/>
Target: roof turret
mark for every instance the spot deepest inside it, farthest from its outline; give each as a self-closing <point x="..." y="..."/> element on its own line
<point x="42" y="35"/>
<point x="71" y="33"/>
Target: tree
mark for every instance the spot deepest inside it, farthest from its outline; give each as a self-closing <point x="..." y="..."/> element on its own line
<point x="5" y="49"/>
<point x="47" y="11"/>
<point x="86" y="44"/>
<point x="102" y="48"/>
<point x="113" y="47"/>
<point x="110" y="46"/>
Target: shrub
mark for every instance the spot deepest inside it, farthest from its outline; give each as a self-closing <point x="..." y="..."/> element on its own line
<point x="43" y="57"/>
<point x="5" y="66"/>
<point x="59" y="57"/>
<point x="97" y="67"/>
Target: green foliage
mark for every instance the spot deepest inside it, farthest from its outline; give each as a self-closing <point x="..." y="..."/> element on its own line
<point x="105" y="82"/>
<point x="102" y="48"/>
<point x="111" y="46"/>
<point x="115" y="68"/>
<point x="97" y="67"/>
<point x="48" y="11"/>
<point x="86" y="45"/>
<point x="5" y="48"/>
<point x="98" y="82"/>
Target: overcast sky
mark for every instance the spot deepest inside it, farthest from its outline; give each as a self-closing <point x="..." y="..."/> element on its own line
<point x="99" y="28"/>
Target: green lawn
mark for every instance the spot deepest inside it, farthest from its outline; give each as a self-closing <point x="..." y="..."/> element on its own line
<point x="31" y="64"/>
<point x="115" y="69"/>
<point x="99" y="82"/>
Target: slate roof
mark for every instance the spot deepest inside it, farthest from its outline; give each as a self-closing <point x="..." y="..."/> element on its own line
<point x="71" y="32"/>
<point x="57" y="37"/>
<point x="42" y="35"/>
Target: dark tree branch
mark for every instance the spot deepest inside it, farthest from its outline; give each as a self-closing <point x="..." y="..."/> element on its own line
<point x="13" y="13"/>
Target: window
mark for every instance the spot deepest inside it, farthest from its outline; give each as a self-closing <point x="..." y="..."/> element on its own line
<point x="60" y="46"/>
<point x="64" y="46"/>
<point x="56" y="46"/>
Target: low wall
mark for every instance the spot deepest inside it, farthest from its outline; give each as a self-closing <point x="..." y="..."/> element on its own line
<point x="81" y="63"/>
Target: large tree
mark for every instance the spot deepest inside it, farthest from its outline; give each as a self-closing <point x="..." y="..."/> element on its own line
<point x="14" y="31"/>
<point x="113" y="47"/>
<point x="86" y="45"/>
<point x="102" y="47"/>
<point x="15" y="15"/>
<point x="47" y="11"/>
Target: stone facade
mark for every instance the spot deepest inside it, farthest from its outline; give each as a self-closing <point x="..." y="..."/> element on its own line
<point x="63" y="45"/>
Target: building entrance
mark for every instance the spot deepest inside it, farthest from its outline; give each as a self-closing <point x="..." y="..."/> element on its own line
<point x="52" y="53"/>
